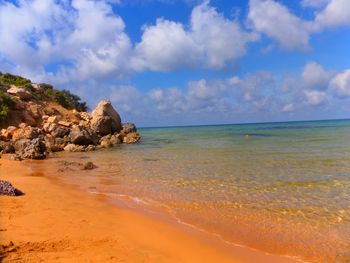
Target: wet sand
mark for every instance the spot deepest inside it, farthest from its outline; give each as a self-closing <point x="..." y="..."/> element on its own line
<point x="54" y="222"/>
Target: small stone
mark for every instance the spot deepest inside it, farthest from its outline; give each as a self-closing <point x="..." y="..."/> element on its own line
<point x="89" y="166"/>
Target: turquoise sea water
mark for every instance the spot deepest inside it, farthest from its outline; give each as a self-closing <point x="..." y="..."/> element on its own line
<point x="284" y="189"/>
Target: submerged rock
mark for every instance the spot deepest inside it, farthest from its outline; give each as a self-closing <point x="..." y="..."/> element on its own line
<point x="6" y="188"/>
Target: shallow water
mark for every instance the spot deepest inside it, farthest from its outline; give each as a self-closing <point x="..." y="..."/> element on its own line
<point x="284" y="189"/>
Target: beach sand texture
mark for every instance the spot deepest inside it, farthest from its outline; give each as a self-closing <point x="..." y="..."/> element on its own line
<point x="53" y="222"/>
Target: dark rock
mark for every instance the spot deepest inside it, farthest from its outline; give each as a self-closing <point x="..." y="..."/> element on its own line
<point x="82" y="135"/>
<point x="60" y="132"/>
<point x="6" y="188"/>
<point x="7" y="147"/>
<point x="89" y="166"/>
<point x="128" y="127"/>
<point x="34" y="149"/>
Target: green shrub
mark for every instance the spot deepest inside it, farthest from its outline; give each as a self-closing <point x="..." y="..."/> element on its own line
<point x="5" y="103"/>
<point x="64" y="98"/>
<point x="10" y="79"/>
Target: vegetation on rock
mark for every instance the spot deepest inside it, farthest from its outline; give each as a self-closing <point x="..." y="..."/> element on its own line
<point x="5" y="103"/>
<point x="9" y="79"/>
<point x="41" y="92"/>
<point x="64" y="98"/>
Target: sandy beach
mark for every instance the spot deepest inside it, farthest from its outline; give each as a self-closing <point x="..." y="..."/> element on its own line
<point x="53" y="222"/>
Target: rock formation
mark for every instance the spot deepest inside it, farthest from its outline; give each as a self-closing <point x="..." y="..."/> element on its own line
<point x="41" y="125"/>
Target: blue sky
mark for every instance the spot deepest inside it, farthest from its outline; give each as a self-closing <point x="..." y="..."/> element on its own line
<point x="184" y="62"/>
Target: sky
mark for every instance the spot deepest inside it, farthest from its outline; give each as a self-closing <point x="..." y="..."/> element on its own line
<point x="187" y="62"/>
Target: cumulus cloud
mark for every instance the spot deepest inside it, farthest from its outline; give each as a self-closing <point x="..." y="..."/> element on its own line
<point x="314" y="76"/>
<point x="277" y="21"/>
<point x="335" y="14"/>
<point x="211" y="41"/>
<point x="291" y="32"/>
<point x="82" y="38"/>
<point x="340" y="84"/>
<point x="166" y="46"/>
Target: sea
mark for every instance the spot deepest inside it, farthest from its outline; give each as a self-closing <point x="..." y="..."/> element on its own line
<point x="283" y="188"/>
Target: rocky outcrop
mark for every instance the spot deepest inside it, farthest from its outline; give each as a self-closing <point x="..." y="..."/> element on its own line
<point x="6" y="188"/>
<point x="73" y="131"/>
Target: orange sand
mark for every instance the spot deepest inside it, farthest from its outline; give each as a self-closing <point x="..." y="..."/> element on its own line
<point x="57" y="223"/>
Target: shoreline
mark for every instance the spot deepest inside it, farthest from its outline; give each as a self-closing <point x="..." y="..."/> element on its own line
<point x="32" y="228"/>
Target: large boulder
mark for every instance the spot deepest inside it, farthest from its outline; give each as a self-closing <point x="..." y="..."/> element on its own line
<point x="105" y="119"/>
<point x="102" y="125"/>
<point x="34" y="149"/>
<point x="82" y="135"/>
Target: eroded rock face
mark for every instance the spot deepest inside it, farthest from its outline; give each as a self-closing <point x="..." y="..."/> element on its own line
<point x="6" y="188"/>
<point x="100" y="123"/>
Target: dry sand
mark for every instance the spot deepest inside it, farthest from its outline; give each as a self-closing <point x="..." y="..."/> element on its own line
<point x="53" y="222"/>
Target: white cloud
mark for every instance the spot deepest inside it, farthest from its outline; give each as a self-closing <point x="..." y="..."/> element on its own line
<point x="222" y="39"/>
<point x="288" y="107"/>
<point x="291" y="32"/>
<point x="276" y="21"/>
<point x="314" y="3"/>
<point x="340" y="84"/>
<point x="314" y="76"/>
<point x="315" y="97"/>
<point x="84" y="36"/>
<point x="166" y="46"/>
<point x="211" y="41"/>
<point x="336" y="13"/>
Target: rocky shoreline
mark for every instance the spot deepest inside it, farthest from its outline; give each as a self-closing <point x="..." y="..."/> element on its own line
<point x="81" y="132"/>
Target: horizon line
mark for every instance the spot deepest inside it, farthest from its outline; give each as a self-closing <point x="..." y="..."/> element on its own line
<point x="239" y="123"/>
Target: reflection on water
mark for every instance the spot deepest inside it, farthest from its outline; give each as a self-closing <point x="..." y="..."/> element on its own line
<point x="286" y="190"/>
